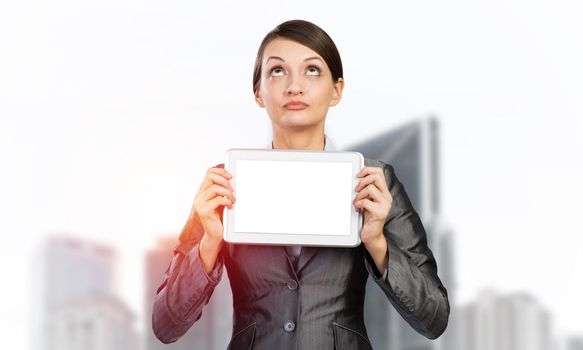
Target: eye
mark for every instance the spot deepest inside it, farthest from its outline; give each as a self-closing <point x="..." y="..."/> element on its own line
<point x="276" y="71"/>
<point x="314" y="70"/>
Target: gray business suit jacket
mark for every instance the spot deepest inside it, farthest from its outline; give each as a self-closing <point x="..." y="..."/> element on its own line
<point x="316" y="304"/>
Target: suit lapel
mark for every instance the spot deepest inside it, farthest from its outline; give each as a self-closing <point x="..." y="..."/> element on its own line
<point x="306" y="254"/>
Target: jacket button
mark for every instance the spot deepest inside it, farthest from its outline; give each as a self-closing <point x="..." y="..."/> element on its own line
<point x="292" y="285"/>
<point x="289" y="326"/>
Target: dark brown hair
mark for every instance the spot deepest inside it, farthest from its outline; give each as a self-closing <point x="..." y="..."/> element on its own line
<point x="307" y="34"/>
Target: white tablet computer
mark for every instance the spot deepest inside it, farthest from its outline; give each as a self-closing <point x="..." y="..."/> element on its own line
<point x="293" y="197"/>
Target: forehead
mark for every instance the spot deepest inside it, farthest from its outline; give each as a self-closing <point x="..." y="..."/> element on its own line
<point x="288" y="50"/>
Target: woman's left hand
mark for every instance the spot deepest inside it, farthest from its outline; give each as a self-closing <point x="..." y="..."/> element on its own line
<point x="374" y="198"/>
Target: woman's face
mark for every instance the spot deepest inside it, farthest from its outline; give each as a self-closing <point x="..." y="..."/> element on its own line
<point x="296" y="85"/>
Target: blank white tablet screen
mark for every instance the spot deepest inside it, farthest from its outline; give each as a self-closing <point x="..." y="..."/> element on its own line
<point x="293" y="197"/>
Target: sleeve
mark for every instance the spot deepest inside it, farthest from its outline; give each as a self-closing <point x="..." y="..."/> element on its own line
<point x="185" y="290"/>
<point x="410" y="280"/>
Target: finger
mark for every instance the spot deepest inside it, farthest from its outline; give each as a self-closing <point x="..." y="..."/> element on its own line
<point x="368" y="170"/>
<point x="220" y="171"/>
<point x="209" y="208"/>
<point x="378" y="179"/>
<point x="215" y="178"/>
<point x="370" y="191"/>
<point x="381" y="181"/>
<point x="224" y="201"/>
<point x="364" y="204"/>
<point x="212" y="204"/>
<point x="217" y="190"/>
<point x="363" y="193"/>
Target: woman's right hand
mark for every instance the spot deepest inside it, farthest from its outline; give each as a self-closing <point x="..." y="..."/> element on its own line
<point x="214" y="194"/>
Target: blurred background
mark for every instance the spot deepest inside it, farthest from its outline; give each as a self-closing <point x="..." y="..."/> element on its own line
<point x="112" y="111"/>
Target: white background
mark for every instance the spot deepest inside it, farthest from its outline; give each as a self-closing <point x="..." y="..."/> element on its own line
<point x="111" y="112"/>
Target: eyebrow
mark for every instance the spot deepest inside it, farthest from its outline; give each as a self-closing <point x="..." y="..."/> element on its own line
<point x="281" y="59"/>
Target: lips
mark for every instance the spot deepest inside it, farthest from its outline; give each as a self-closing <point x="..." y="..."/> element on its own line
<point x="295" y="105"/>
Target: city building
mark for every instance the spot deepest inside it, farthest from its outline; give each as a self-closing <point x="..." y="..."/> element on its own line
<point x="94" y="323"/>
<point x="503" y="322"/>
<point x="74" y="288"/>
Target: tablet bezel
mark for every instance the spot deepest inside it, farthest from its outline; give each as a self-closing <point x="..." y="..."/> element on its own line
<point x="261" y="238"/>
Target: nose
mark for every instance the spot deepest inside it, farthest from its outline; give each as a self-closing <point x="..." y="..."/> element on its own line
<point x="294" y="87"/>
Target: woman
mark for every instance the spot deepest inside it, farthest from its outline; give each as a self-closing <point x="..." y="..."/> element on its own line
<point x="310" y="297"/>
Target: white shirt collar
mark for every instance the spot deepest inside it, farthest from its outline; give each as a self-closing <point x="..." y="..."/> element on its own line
<point x="328" y="144"/>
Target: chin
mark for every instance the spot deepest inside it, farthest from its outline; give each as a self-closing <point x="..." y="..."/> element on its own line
<point x="296" y="124"/>
<point x="297" y="117"/>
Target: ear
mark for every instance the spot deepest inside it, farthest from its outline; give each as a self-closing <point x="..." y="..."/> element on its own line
<point x="258" y="99"/>
<point x="337" y="95"/>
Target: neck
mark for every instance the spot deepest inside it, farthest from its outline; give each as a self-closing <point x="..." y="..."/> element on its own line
<point x="299" y="140"/>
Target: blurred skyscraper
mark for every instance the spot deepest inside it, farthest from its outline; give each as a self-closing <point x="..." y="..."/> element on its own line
<point x="74" y="299"/>
<point x="413" y="151"/>
<point x="214" y="328"/>
<point x="94" y="323"/>
<point x="503" y="322"/>
<point x="575" y="343"/>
